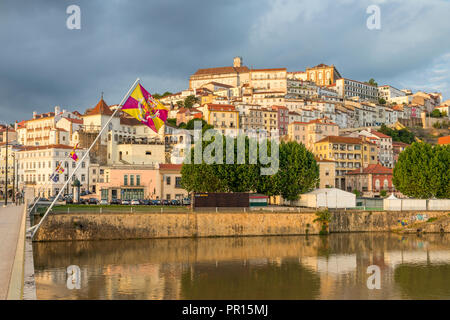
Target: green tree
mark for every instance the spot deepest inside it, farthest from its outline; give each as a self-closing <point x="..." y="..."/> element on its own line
<point x="423" y="171"/>
<point x="190" y="101"/>
<point x="381" y="101"/>
<point x="298" y="171"/>
<point x="372" y="82"/>
<point x="436" y="113"/>
<point x="172" y="121"/>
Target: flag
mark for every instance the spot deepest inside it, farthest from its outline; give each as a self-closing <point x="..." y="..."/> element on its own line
<point x="59" y="168"/>
<point x="142" y="106"/>
<point x="73" y="155"/>
<point x="55" y="177"/>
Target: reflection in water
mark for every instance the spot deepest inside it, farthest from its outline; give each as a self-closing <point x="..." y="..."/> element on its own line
<point x="291" y="267"/>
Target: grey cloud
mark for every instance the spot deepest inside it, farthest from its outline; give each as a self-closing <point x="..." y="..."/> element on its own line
<point x="44" y="64"/>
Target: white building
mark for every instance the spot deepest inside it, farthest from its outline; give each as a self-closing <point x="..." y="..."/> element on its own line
<point x="388" y="92"/>
<point x="347" y="88"/>
<point x="36" y="164"/>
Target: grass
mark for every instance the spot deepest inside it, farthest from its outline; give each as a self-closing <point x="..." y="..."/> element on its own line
<point x="112" y="208"/>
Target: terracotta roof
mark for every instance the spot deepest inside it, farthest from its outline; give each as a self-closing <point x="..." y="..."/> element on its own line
<point x="399" y="144"/>
<point x="221" y="70"/>
<point x="323" y="160"/>
<point x="79" y="121"/>
<point x="51" y="146"/>
<point x="444" y="140"/>
<point x="100" y="108"/>
<point x="339" y="139"/>
<point x="379" y="134"/>
<point x="372" y="169"/>
<point x="169" y="166"/>
<point x="269" y="69"/>
<point x="218" y="84"/>
<point x="221" y="107"/>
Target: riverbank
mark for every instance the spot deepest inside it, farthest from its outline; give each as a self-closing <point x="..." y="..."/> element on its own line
<point x="140" y="225"/>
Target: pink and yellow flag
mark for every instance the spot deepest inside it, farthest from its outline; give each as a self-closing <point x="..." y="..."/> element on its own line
<point x="142" y="106"/>
<point x="59" y="168"/>
<point x="73" y="155"/>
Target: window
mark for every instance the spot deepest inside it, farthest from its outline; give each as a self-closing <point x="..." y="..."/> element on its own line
<point x="83" y="164"/>
<point x="83" y="178"/>
<point x="168" y="181"/>
<point x="125" y="180"/>
<point x="131" y="180"/>
<point x="138" y="180"/>
<point x="177" y="182"/>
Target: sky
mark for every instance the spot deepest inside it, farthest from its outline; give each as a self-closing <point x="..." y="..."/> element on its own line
<point x="44" y="64"/>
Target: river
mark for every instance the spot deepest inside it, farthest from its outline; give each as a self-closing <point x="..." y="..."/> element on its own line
<point x="278" y="267"/>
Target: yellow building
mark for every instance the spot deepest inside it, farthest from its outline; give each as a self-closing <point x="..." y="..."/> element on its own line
<point x="348" y="153"/>
<point x="269" y="79"/>
<point x="327" y="173"/>
<point x="310" y="132"/>
<point x="223" y="117"/>
<point x="323" y="75"/>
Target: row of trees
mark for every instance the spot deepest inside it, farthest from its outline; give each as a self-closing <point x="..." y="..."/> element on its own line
<point x="402" y="135"/>
<point x="423" y="171"/>
<point x="436" y="113"/>
<point x="297" y="173"/>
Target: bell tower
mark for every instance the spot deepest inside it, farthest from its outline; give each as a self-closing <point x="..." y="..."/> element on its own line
<point x="237" y="62"/>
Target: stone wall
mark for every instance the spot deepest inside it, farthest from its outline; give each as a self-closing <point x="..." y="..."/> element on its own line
<point x="59" y="227"/>
<point x="87" y="226"/>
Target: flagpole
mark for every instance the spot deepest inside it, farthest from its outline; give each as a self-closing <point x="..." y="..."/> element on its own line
<point x="35" y="228"/>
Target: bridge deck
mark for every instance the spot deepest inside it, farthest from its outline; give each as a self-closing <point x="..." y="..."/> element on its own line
<point x="10" y="224"/>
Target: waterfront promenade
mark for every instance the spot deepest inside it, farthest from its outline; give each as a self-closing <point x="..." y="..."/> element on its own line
<point x="11" y="221"/>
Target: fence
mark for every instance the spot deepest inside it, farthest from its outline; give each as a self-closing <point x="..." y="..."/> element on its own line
<point x="416" y="204"/>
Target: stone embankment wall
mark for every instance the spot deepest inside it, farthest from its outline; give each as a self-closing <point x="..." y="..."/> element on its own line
<point x="86" y="226"/>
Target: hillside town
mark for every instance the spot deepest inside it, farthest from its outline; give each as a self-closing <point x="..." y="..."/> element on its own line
<point x="338" y="119"/>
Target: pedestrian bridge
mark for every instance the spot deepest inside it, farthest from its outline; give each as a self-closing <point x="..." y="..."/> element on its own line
<point x="16" y="255"/>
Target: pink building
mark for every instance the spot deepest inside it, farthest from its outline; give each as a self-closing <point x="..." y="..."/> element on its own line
<point x="145" y="182"/>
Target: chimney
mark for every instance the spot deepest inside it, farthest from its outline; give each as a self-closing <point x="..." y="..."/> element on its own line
<point x="34" y="114"/>
<point x="57" y="110"/>
<point x="15" y="126"/>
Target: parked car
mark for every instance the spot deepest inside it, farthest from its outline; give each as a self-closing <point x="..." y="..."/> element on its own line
<point x="103" y="201"/>
<point x="83" y="201"/>
<point x="125" y="202"/>
<point x="186" y="201"/>
<point x="115" y="201"/>
<point x="92" y="201"/>
<point x="145" y="202"/>
<point x="165" y="202"/>
<point x="69" y="200"/>
<point x="175" y="202"/>
<point x="135" y="202"/>
<point x="156" y="202"/>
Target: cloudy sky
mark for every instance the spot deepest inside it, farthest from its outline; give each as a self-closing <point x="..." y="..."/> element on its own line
<point x="43" y="63"/>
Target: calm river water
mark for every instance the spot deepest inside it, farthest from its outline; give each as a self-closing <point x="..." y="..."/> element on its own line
<point x="288" y="267"/>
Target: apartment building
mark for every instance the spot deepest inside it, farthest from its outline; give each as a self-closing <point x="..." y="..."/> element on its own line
<point x="348" y="88"/>
<point x="387" y="92"/>
<point x="282" y="119"/>
<point x="310" y="132"/>
<point x="36" y="164"/>
<point x="224" y="118"/>
<point x="48" y="128"/>
<point x="349" y="153"/>
<point x="384" y="144"/>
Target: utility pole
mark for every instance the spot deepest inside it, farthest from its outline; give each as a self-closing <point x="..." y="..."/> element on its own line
<point x="6" y="168"/>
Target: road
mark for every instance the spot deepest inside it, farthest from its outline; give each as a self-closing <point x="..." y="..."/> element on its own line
<point x="10" y="221"/>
